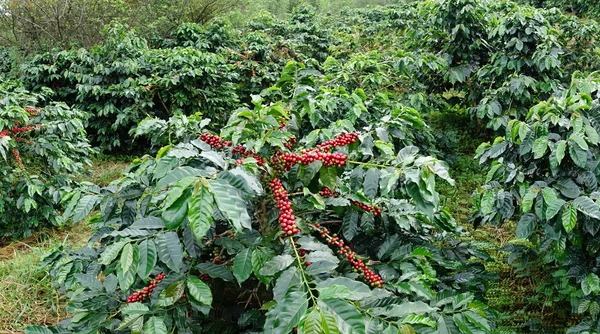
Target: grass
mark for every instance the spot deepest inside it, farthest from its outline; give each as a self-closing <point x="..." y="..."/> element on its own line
<point x="106" y="169"/>
<point x="27" y="296"/>
<point x="26" y="293"/>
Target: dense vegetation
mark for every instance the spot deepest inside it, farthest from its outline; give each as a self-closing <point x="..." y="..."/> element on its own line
<point x="290" y="167"/>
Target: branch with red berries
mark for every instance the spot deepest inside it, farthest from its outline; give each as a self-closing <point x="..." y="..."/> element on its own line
<point x="344" y="250"/>
<point x="144" y="293"/>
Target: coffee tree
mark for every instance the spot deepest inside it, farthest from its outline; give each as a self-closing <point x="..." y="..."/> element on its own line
<point x="277" y="226"/>
<point x="544" y="172"/>
<point x="40" y="149"/>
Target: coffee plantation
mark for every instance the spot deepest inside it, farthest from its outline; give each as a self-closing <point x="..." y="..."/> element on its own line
<point x="305" y="173"/>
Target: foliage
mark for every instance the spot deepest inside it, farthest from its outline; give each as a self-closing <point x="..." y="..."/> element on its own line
<point x="578" y="7"/>
<point x="544" y="171"/>
<point x="201" y="213"/>
<point x="40" y="148"/>
<point x="41" y="25"/>
<point x="121" y="81"/>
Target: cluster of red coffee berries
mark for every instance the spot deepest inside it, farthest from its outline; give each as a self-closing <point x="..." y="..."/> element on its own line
<point x="328" y="192"/>
<point x="22" y="129"/>
<point x="32" y="111"/>
<point x="290" y="143"/>
<point x="17" y="156"/>
<point x="374" y="209"/>
<point x="214" y="141"/>
<point x="341" y="140"/>
<point x="329" y="159"/>
<point x="140" y="295"/>
<point x="284" y="161"/>
<point x="247" y="153"/>
<point x="4" y="133"/>
<point x="344" y="250"/>
<point x="204" y="277"/>
<point x="302" y="252"/>
<point x="286" y="214"/>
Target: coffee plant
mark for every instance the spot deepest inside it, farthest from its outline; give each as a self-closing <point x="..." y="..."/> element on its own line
<point x="122" y="80"/>
<point x="260" y="229"/>
<point x="40" y="149"/>
<point x="544" y="172"/>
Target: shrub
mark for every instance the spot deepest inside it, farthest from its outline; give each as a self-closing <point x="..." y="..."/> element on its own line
<point x="121" y="81"/>
<point x="232" y="233"/>
<point x="40" y="149"/>
<point x="544" y="171"/>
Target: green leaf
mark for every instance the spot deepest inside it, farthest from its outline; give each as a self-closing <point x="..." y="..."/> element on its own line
<point x="371" y="183"/>
<point x="231" y="204"/>
<point x="147" y="251"/>
<point x="200" y="291"/>
<point x="579" y="140"/>
<point x="215" y="271"/>
<point x="350" y="224"/>
<point x="419" y="319"/>
<point x="148" y="223"/>
<point x="540" y="146"/>
<point x="169" y="250"/>
<point x="478" y="321"/>
<point x="312" y="324"/>
<point x="125" y="278"/>
<point x="172" y="294"/>
<point x="578" y="155"/>
<point x="358" y="290"/>
<point x="174" y="215"/>
<point x="182" y="172"/>
<point x="487" y="202"/>
<point x="126" y="257"/>
<point x="320" y="267"/>
<point x="498" y="148"/>
<point x="309" y="171"/>
<point x="334" y="291"/>
<point x="133" y="322"/>
<point x="390" y="244"/>
<point x="386" y="148"/>
<point x="586" y="206"/>
<point x="569" y="218"/>
<point x="89" y="281"/>
<point x="177" y="190"/>
<point x="276" y="264"/>
<point x="527" y="201"/>
<point x="406" y="308"/>
<point x="155" y="325"/>
<point x="445" y="325"/>
<point x="37" y="330"/>
<point x="84" y="207"/>
<point x="111" y="252"/>
<point x="286" y="315"/>
<point x="559" y="150"/>
<point x="135" y="309"/>
<point x="348" y="318"/>
<point x="242" y="265"/>
<point x="568" y="188"/>
<point x="526" y="225"/>
<point x="328" y="176"/>
<point x="592" y="135"/>
<point x="553" y="203"/>
<point x="554" y="207"/>
<point x="200" y="212"/>
<point x="291" y="277"/>
<point x="590" y="284"/>
<point x="259" y="257"/>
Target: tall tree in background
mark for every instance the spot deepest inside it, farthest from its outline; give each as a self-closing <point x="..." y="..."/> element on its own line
<point x="35" y="25"/>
